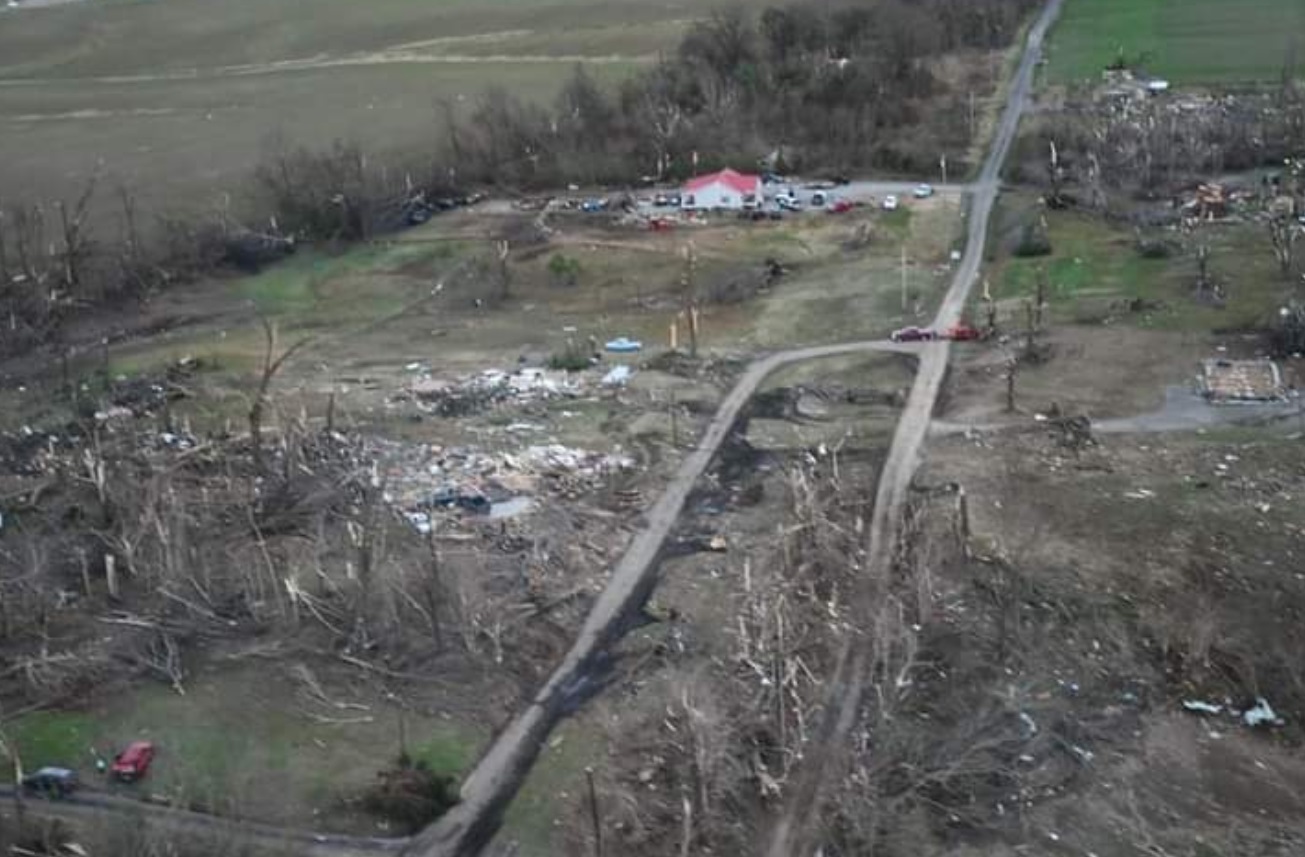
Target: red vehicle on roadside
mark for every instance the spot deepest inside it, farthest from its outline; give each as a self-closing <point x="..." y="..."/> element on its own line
<point x="963" y="333"/>
<point x="841" y="206"/>
<point x="913" y="334"/>
<point x="133" y="762"/>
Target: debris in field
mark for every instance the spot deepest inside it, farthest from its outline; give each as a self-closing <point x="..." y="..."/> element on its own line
<point x="619" y="376"/>
<point x="1261" y="714"/>
<point x="1140" y="494"/>
<point x="1226" y="381"/>
<point x="1030" y="725"/>
<point x="510" y="508"/>
<point x="421" y="479"/>
<point x="1083" y="755"/>
<point x="623" y="345"/>
<point x="1199" y="707"/>
<point x="491" y="387"/>
<point x="114" y="413"/>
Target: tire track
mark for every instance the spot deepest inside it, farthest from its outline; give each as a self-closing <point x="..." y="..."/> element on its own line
<point x="847" y="685"/>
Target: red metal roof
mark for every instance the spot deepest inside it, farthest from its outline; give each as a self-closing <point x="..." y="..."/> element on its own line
<point x="738" y="181"/>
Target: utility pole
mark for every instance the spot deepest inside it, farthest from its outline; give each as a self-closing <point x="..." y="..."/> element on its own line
<point x="943" y="161"/>
<point x="675" y="424"/>
<point x="971" y="114"/>
<point x="903" y="279"/>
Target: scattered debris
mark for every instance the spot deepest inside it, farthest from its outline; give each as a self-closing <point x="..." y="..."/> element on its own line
<point x="1233" y="381"/>
<point x="1199" y="707"/>
<point x="421" y="480"/>
<point x="619" y="376"/>
<point x="1261" y="714"/>
<point x="494" y="386"/>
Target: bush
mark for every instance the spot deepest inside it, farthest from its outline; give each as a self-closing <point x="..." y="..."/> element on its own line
<point x="572" y="359"/>
<point x="1155" y="248"/>
<point x="1288" y="335"/>
<point x="410" y="794"/>
<point x="1033" y="241"/>
<point x="564" y="270"/>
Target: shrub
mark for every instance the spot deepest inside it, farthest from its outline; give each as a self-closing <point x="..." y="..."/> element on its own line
<point x="1155" y="248"/>
<point x="1033" y="241"/>
<point x="410" y="794"/>
<point x="564" y="270"/>
<point x="572" y="359"/>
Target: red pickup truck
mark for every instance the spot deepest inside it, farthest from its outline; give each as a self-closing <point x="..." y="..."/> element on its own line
<point x="962" y="333"/>
<point x="133" y="762"/>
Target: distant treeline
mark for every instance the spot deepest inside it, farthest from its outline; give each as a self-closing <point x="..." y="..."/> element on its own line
<point x="832" y="87"/>
<point x="825" y="88"/>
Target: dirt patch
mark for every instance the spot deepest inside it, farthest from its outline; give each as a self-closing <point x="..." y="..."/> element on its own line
<point x="1100" y="372"/>
<point x="1127" y="579"/>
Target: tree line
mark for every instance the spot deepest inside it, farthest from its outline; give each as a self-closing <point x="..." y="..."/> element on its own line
<point x="813" y="87"/>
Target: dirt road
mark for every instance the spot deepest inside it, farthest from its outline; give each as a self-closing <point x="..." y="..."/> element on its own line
<point x="845" y="690"/>
<point x="499" y="774"/>
<point x="495" y="780"/>
<point x="90" y="808"/>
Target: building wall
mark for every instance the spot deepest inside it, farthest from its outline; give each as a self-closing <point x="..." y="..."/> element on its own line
<point x="717" y="195"/>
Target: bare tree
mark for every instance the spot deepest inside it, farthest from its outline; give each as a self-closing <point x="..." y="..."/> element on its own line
<point x="76" y="241"/>
<point x="272" y="364"/>
<point x="503" y="269"/>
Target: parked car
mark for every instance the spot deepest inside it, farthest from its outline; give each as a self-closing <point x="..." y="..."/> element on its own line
<point x="133" y="762"/>
<point x="469" y="500"/>
<point x="922" y="191"/>
<point x="913" y="334"/>
<point x="593" y="205"/>
<point x="890" y="202"/>
<point x="673" y="200"/>
<point x="51" y="782"/>
<point x="841" y="206"/>
<point x="788" y="202"/>
<point x="818" y="199"/>
<point x="962" y="333"/>
<point x="661" y="200"/>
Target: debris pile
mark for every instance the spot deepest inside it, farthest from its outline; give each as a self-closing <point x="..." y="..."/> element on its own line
<point x="420" y="479"/>
<point x="1230" y="381"/>
<point x="491" y="387"/>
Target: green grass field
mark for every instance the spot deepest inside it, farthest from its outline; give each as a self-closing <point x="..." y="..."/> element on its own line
<point x="1095" y="267"/>
<point x="180" y="99"/>
<point x="1187" y="41"/>
<point x="228" y="745"/>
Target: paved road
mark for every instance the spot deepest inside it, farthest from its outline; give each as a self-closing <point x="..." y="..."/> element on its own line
<point x="92" y="807"/>
<point x="790" y="834"/>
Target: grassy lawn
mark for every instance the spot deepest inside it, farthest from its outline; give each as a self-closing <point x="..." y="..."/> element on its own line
<point x="228" y="746"/>
<point x="1094" y="267"/>
<point x="553" y="786"/>
<point x="1187" y="41"/>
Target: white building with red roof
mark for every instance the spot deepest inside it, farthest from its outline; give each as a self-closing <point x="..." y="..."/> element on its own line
<point x="725" y="189"/>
